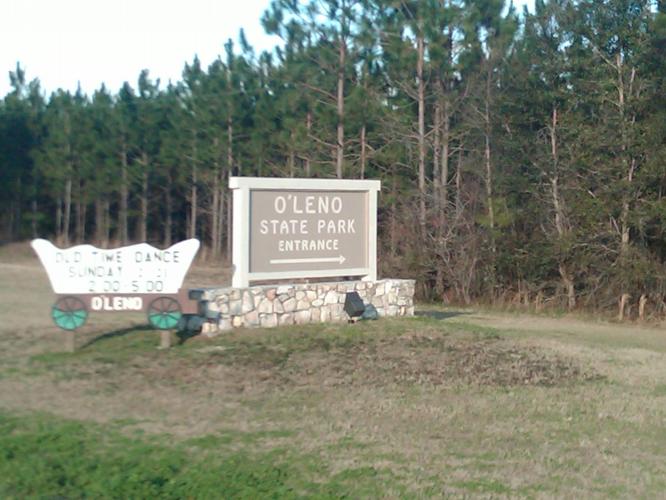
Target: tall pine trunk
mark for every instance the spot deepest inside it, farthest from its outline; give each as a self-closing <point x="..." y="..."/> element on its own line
<point x="143" y="220"/>
<point x="444" y="157"/>
<point x="421" y="125"/>
<point x="489" y="181"/>
<point x="221" y="219"/>
<point x="215" y="204"/>
<point x="80" y="213"/>
<point x="436" y="153"/>
<point x="35" y="213"/>
<point x="67" y="212"/>
<point x="340" y="145"/>
<point x="107" y="223"/>
<point x="99" y="221"/>
<point x="308" y="126"/>
<point x="192" y="229"/>
<point x="123" y="231"/>
<point x="229" y="238"/>
<point x="629" y="163"/>
<point x="58" y="219"/>
<point x="487" y="157"/>
<point x="230" y="170"/>
<point x="459" y="180"/>
<point x="168" y="209"/>
<point x="558" y="208"/>
<point x="364" y="149"/>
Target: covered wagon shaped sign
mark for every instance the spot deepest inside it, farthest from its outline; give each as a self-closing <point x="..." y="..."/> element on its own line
<point x="132" y="278"/>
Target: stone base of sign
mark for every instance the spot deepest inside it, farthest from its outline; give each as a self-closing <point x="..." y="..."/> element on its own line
<point x="294" y="304"/>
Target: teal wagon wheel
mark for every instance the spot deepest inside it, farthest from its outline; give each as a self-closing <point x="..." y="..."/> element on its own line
<point x="164" y="313"/>
<point x="69" y="313"/>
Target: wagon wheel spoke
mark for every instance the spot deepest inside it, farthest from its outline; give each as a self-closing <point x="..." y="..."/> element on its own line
<point x="164" y="313"/>
<point x="69" y="313"/>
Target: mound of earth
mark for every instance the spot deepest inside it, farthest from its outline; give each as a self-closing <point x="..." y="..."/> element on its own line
<point x="411" y="359"/>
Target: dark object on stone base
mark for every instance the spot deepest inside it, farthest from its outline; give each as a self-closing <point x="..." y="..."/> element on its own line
<point x="190" y="323"/>
<point x="370" y="312"/>
<point x="354" y="306"/>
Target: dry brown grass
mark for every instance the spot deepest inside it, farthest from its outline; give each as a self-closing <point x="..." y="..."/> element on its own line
<point x="474" y="404"/>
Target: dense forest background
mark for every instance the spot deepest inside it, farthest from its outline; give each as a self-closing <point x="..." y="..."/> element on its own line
<point x="522" y="155"/>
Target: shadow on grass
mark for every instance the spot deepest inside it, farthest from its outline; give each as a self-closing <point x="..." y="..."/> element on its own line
<point x="117" y="333"/>
<point x="441" y="315"/>
<point x="185" y="335"/>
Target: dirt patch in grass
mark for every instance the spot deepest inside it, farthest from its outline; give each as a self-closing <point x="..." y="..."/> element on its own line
<point x="428" y="360"/>
<point x="435" y="359"/>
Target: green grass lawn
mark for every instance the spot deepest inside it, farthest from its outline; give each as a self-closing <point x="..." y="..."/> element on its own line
<point x="453" y="403"/>
<point x="43" y="456"/>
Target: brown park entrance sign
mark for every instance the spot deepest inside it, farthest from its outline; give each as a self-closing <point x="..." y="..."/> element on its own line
<point x="303" y="228"/>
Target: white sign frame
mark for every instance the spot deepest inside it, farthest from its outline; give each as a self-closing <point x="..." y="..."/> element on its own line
<point x="241" y="188"/>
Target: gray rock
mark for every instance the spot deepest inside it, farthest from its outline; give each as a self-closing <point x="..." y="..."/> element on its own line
<point x="248" y="304"/>
<point x="302" y="317"/>
<point x="378" y="301"/>
<point x="224" y="324"/>
<point x="210" y="329"/>
<point x="286" y="319"/>
<point x="252" y="318"/>
<point x="268" y="320"/>
<point x="290" y="305"/>
<point x="266" y="306"/>
<point x="331" y="298"/>
<point x="338" y="312"/>
<point x="235" y="307"/>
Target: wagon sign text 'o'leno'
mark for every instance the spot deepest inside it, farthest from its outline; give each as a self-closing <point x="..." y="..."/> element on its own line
<point x="300" y="228"/>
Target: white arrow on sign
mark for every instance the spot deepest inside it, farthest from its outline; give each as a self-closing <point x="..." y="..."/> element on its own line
<point x="311" y="260"/>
